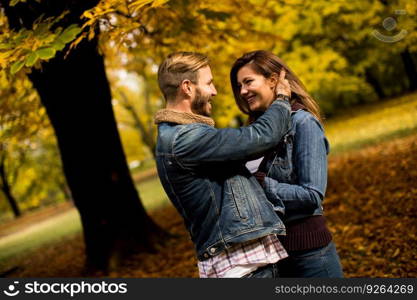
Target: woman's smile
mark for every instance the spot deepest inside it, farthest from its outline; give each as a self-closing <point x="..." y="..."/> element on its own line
<point x="251" y="99"/>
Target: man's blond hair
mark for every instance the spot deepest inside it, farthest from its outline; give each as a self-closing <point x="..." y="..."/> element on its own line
<point x="176" y="68"/>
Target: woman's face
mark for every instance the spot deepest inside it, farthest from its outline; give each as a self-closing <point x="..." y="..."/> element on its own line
<point x="255" y="89"/>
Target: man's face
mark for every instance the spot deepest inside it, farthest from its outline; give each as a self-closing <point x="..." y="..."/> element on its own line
<point x="204" y="91"/>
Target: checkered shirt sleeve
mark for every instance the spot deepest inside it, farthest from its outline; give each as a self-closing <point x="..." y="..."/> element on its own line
<point x="265" y="250"/>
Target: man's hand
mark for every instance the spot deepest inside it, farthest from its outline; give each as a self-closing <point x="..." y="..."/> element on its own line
<point x="283" y="86"/>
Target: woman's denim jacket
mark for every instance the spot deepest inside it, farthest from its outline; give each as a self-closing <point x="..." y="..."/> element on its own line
<point x="202" y="171"/>
<point x="296" y="173"/>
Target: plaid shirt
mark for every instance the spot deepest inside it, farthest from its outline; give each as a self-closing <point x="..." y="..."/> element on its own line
<point x="262" y="251"/>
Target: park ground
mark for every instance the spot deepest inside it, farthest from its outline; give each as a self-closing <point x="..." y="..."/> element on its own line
<point x="370" y="208"/>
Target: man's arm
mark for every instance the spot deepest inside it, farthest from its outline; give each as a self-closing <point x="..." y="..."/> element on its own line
<point x="196" y="144"/>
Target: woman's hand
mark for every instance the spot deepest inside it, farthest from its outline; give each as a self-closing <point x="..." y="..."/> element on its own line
<point x="283" y="86"/>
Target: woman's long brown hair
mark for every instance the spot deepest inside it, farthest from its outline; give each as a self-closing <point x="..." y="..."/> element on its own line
<point x="266" y="64"/>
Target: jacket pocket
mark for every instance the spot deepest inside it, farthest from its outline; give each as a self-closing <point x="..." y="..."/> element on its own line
<point x="239" y="198"/>
<point x="281" y="167"/>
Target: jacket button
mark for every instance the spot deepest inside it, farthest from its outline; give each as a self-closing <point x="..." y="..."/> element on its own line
<point x="212" y="250"/>
<point x="206" y="255"/>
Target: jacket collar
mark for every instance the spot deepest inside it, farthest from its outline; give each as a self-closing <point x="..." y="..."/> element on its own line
<point x="183" y="118"/>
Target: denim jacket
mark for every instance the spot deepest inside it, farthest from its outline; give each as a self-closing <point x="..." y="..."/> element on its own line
<point x="296" y="175"/>
<point x="202" y="171"/>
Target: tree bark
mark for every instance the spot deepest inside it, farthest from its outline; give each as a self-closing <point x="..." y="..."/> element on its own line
<point x="373" y="81"/>
<point x="76" y="94"/>
<point x="5" y="187"/>
<point x="410" y="69"/>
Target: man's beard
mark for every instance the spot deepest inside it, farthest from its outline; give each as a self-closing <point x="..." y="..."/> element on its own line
<point x="200" y="104"/>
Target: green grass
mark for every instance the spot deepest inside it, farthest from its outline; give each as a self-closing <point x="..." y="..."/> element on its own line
<point x="47" y="231"/>
<point x="67" y="223"/>
<point x="152" y="194"/>
<point x="372" y="124"/>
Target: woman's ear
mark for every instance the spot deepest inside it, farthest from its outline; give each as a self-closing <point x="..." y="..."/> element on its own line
<point x="273" y="80"/>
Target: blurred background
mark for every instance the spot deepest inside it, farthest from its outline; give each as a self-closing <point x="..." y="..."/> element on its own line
<point x="79" y="192"/>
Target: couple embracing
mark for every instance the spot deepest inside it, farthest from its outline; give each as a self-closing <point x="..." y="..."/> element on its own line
<point x="251" y="197"/>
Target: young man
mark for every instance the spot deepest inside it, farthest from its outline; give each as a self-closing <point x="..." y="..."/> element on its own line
<point x="201" y="168"/>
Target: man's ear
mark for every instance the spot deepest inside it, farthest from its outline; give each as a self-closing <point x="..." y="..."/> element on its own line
<point x="186" y="87"/>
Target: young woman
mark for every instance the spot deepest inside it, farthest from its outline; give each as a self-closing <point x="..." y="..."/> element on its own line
<point x="294" y="175"/>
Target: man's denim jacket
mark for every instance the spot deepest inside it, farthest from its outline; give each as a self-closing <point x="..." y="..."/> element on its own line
<point x="202" y="171"/>
<point x="296" y="176"/>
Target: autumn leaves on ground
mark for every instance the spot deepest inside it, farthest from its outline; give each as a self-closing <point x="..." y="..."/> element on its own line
<point x="370" y="208"/>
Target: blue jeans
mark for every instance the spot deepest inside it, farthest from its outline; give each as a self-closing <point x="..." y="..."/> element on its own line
<point x="268" y="271"/>
<point x="320" y="263"/>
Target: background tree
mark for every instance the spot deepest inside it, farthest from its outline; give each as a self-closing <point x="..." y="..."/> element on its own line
<point x="333" y="48"/>
<point x="72" y="90"/>
<point x="21" y="118"/>
<point x="136" y="98"/>
<point x="7" y="180"/>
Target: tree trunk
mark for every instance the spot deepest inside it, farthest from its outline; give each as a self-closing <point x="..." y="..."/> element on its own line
<point x="373" y="81"/>
<point x="76" y="94"/>
<point x="5" y="187"/>
<point x="410" y="69"/>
